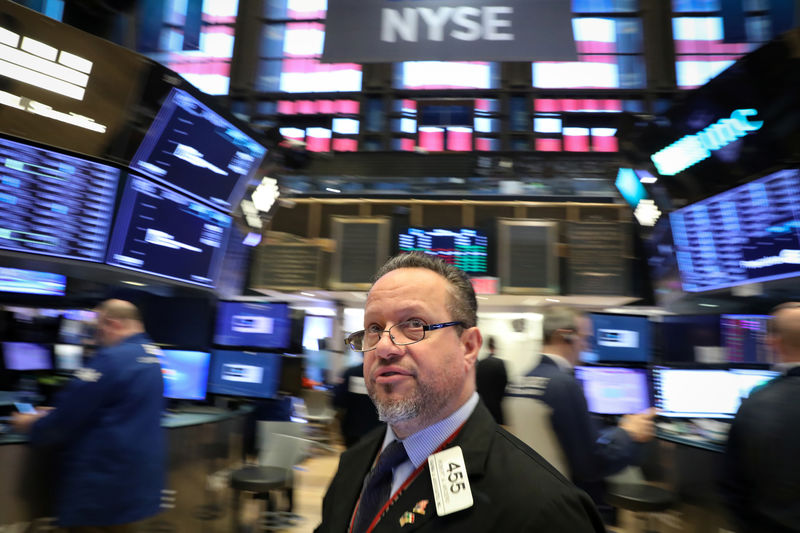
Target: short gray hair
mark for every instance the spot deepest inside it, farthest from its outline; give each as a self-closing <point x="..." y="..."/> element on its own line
<point x="462" y="304"/>
<point x="559" y="318"/>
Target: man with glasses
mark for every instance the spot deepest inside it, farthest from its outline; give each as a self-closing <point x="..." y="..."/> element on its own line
<point x="442" y="462"/>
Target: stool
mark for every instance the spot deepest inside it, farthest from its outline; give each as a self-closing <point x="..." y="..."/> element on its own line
<point x="641" y="499"/>
<point x="259" y="480"/>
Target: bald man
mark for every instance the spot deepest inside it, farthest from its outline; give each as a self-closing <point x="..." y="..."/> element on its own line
<point x="105" y="428"/>
<point x="761" y="479"/>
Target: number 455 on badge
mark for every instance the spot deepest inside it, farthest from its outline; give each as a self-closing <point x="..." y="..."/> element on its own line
<point x="451" y="490"/>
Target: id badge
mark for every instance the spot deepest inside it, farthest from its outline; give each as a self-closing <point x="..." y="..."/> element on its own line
<point x="451" y="490"/>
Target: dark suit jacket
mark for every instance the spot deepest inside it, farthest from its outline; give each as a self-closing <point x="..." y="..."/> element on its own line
<point x="514" y="489"/>
<point x="761" y="479"/>
<point x="491" y="380"/>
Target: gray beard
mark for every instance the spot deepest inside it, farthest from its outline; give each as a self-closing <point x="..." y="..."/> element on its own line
<point x="422" y="404"/>
<point x="394" y="411"/>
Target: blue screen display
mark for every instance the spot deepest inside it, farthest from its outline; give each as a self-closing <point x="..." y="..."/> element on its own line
<point x="185" y="374"/>
<point x="27" y="356"/>
<point x="254" y="325"/>
<point x="191" y="147"/>
<point x="614" y="390"/>
<point x="161" y="232"/>
<point x="32" y="282"/>
<point x="744" y="235"/>
<point x="54" y="204"/>
<point x="248" y="374"/>
<point x="622" y="338"/>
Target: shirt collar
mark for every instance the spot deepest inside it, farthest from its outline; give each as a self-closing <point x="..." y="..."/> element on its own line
<point x="561" y="362"/>
<point x="425" y="441"/>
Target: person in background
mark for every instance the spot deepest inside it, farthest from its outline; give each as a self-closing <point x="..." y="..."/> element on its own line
<point x="105" y="428"/>
<point x="442" y="462"/>
<point x="491" y="380"/>
<point x="761" y="477"/>
<point x="357" y="413"/>
<point x="592" y="451"/>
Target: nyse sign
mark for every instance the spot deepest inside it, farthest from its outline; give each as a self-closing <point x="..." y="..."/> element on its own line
<point x="364" y="31"/>
<point x="491" y="23"/>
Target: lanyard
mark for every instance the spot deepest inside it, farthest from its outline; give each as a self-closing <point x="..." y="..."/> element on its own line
<point x="405" y="484"/>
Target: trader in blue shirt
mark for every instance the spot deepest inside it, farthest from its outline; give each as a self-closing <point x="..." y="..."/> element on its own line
<point x="106" y="429"/>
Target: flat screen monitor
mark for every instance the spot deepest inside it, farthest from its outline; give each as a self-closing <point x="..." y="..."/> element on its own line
<point x="194" y="149"/>
<point x="744" y="338"/>
<point x="68" y="356"/>
<point x="466" y="248"/>
<point x="185" y="374"/>
<point x="614" y="390"/>
<point x="679" y="336"/>
<point x="621" y="338"/>
<point x="55" y="204"/>
<point x="241" y="373"/>
<point x="27" y="356"/>
<point x="165" y="233"/>
<point x="253" y="324"/>
<point x="704" y="393"/>
<point x="745" y="235"/>
<point x="21" y="281"/>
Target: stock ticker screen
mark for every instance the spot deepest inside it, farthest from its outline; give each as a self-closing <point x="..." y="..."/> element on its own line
<point x="743" y="235"/>
<point x="53" y="203"/>
<point x="193" y="148"/>
<point x="165" y="233"/>
<point x="465" y="248"/>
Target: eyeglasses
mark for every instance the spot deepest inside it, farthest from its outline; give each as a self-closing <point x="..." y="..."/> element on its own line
<point x="401" y="334"/>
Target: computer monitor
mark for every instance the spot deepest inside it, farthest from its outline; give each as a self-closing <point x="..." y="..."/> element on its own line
<point x="27" y="356"/>
<point x="247" y="374"/>
<point x="55" y="204"/>
<point x="621" y="338"/>
<point x="704" y="392"/>
<point x="679" y="336"/>
<point x="185" y="374"/>
<point x="191" y="147"/>
<point x="21" y="281"/>
<point x="68" y="356"/>
<point x="747" y="234"/>
<point x="161" y="232"/>
<point x="253" y="324"/>
<point x="614" y="390"/>
<point x="744" y="338"/>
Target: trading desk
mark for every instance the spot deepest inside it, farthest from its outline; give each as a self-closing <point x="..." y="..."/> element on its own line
<point x="690" y="464"/>
<point x="200" y="447"/>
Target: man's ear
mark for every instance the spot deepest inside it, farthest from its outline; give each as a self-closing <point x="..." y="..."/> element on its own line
<point x="472" y="340"/>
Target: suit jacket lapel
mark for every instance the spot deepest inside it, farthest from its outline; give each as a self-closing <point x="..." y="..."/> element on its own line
<point x="355" y="464"/>
<point x="475" y="440"/>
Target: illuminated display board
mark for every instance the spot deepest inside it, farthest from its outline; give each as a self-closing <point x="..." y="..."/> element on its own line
<point x="161" y="232"/>
<point x="193" y="148"/>
<point x="54" y="204"/>
<point x="743" y="235"/>
<point x="465" y="248"/>
<point x="61" y="86"/>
